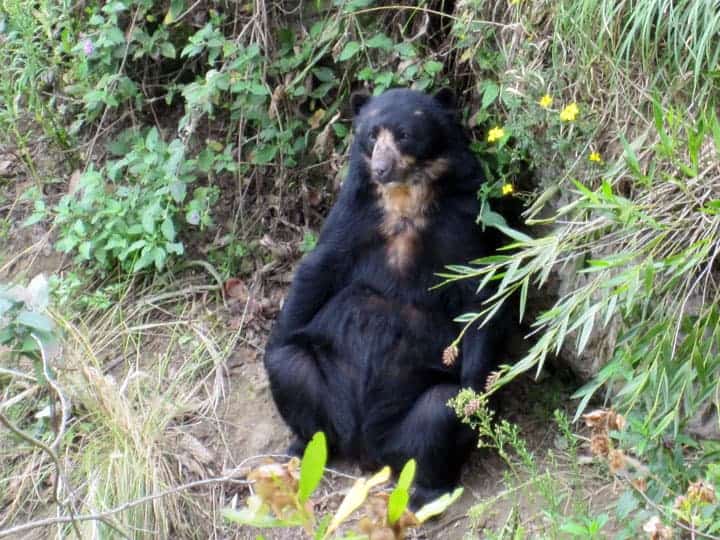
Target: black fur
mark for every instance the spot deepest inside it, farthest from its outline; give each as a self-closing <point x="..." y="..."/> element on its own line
<point x="357" y="349"/>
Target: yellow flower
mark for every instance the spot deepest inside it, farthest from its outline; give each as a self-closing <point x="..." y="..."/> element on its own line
<point x="595" y="157"/>
<point x="495" y="134"/>
<point x="546" y="101"/>
<point x="569" y="113"/>
<point x="507" y="189"/>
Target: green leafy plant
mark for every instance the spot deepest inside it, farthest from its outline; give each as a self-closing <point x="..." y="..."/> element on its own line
<point x="641" y="238"/>
<point x="588" y="528"/>
<point x="283" y="499"/>
<point x="25" y="325"/>
<point x="128" y="214"/>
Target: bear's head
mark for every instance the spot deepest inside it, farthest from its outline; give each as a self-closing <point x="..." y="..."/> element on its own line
<point x="404" y="135"/>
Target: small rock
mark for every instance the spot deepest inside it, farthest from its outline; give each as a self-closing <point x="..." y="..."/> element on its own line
<point x="6" y="168"/>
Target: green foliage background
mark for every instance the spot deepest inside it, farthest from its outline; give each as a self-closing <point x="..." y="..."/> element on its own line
<point x="178" y="122"/>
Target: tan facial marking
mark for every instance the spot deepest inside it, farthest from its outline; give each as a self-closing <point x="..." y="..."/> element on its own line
<point x="429" y="172"/>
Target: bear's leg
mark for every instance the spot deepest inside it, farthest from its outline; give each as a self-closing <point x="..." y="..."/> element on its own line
<point x="307" y="400"/>
<point x="433" y="435"/>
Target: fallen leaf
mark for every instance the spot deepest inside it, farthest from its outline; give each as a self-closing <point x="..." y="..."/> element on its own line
<point x="74" y="182"/>
<point x="236" y="289"/>
<point x="355" y="497"/>
<point x="316" y="119"/>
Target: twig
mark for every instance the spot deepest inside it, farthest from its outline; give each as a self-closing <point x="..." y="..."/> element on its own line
<point x="105" y="109"/>
<point x="98" y="516"/>
<point x="64" y="406"/>
<point x="104" y="515"/>
<point x="19" y="397"/>
<point x="18" y="374"/>
<point x="58" y="470"/>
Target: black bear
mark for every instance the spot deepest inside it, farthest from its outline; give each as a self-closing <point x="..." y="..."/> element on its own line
<point x="357" y="349"/>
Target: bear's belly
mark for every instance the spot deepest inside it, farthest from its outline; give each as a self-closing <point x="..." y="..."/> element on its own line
<point x="366" y="335"/>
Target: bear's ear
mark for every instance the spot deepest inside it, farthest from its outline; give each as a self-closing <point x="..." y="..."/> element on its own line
<point x="446" y="98"/>
<point x="357" y="100"/>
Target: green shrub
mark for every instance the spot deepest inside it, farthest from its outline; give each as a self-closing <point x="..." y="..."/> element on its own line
<point x="129" y="212"/>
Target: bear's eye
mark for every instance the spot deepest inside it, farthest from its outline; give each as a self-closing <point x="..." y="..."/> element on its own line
<point x="402" y="135"/>
<point x="373" y="135"/>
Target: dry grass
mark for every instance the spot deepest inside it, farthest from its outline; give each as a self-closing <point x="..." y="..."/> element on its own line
<point x="141" y="376"/>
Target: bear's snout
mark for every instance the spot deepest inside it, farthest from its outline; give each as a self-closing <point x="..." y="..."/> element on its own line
<point x="381" y="169"/>
<point x="385" y="157"/>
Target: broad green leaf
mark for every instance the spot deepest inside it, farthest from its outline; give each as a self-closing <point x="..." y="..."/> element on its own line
<point x="168" y="229"/>
<point x="324" y="74"/>
<point x="351" y="49"/>
<point x="176" y="8"/>
<point x="32" y="219"/>
<point x="135" y="246"/>
<point x="433" y="67"/>
<point x="312" y="466"/>
<point x="397" y="503"/>
<point x="145" y="260"/>
<point x="175" y="247"/>
<point x="355" y="5"/>
<point x="626" y="504"/>
<point x="355" y="497"/>
<point x="66" y="244"/>
<point x="35" y="320"/>
<point x="264" y="154"/>
<point x="406" y="50"/>
<point x="490" y="94"/>
<point x="575" y="529"/>
<point x="380" y="41"/>
<point x="490" y="218"/>
<point x="152" y="140"/>
<point x="178" y="191"/>
<point x="167" y="49"/>
<point x="159" y="257"/>
<point x="5" y="306"/>
<point x="84" y="250"/>
<point x="148" y="221"/>
<point x="438" y="506"/>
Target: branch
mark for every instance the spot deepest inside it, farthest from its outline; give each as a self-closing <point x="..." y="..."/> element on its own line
<point x="101" y="516"/>
<point x="51" y="450"/>
<point x="58" y="471"/>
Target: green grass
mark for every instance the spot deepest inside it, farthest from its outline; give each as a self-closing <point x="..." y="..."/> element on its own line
<point x="136" y="374"/>
<point x="252" y="103"/>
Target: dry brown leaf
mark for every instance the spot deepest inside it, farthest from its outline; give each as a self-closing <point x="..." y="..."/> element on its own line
<point x="316" y="119"/>
<point x="616" y="460"/>
<point x="236" y="290"/>
<point x="657" y="530"/>
<point x="600" y="445"/>
<point x="701" y="491"/>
